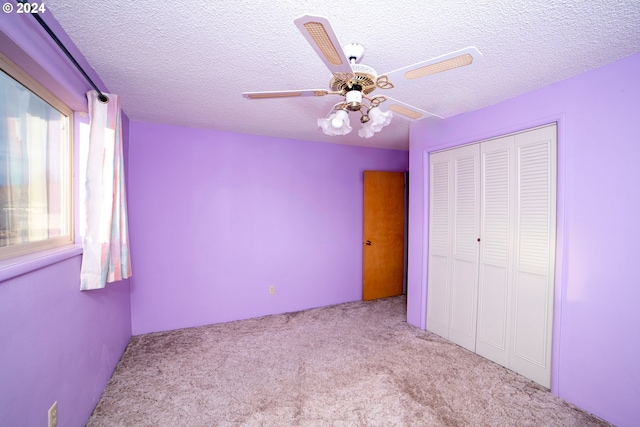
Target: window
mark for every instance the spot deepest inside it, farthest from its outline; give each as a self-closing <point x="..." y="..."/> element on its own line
<point x="35" y="166"/>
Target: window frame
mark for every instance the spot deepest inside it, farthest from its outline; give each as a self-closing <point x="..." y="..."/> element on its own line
<point x="15" y="72"/>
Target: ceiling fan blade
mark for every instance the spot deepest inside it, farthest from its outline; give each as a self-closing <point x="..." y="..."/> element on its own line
<point x="450" y="61"/>
<point x="406" y="111"/>
<point x="285" y="93"/>
<point x="318" y="32"/>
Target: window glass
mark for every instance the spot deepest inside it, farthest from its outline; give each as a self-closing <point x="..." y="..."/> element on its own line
<point x="35" y="167"/>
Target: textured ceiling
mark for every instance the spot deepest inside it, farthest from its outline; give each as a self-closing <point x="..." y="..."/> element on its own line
<point x="187" y="63"/>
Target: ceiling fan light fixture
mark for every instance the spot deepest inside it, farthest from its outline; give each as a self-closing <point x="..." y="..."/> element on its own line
<point x="377" y="120"/>
<point x="366" y="131"/>
<point x="354" y="81"/>
<point x="336" y="124"/>
<point x="340" y="117"/>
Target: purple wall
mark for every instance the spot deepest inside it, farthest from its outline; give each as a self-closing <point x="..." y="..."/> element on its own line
<point x="216" y="218"/>
<point x="596" y="342"/>
<point x="56" y="343"/>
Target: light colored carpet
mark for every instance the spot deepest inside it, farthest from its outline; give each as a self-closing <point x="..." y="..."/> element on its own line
<point x="353" y="364"/>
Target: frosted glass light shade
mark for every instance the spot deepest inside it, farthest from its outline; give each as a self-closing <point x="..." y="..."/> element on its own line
<point x="377" y="120"/>
<point x="366" y="131"/>
<point x="336" y="124"/>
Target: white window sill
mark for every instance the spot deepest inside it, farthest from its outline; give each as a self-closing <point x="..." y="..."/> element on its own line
<point x="14" y="267"/>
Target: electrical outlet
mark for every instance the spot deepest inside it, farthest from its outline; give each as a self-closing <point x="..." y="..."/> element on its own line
<point x="53" y="415"/>
<point x="272" y="290"/>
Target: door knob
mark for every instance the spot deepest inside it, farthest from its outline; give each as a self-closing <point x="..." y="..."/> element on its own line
<point x="368" y="243"/>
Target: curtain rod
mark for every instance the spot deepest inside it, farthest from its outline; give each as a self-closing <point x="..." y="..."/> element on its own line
<point x="101" y="96"/>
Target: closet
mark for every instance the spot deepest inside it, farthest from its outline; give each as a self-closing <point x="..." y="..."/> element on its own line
<point x="492" y="239"/>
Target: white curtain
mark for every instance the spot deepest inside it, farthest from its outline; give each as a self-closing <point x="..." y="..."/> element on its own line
<point x="106" y="241"/>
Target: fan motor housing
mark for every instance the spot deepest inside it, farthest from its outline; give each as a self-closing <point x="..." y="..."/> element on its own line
<point x="365" y="77"/>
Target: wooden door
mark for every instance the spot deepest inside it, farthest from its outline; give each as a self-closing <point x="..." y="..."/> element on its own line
<point x="383" y="245"/>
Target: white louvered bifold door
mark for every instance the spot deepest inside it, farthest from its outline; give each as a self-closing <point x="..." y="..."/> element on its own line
<point x="440" y="228"/>
<point x="495" y="297"/>
<point x="466" y="224"/>
<point x="496" y="249"/>
<point x="535" y="242"/>
<point x="517" y="251"/>
<point x="453" y="247"/>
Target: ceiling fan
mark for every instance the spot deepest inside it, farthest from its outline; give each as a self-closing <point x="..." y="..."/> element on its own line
<point x="355" y="82"/>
